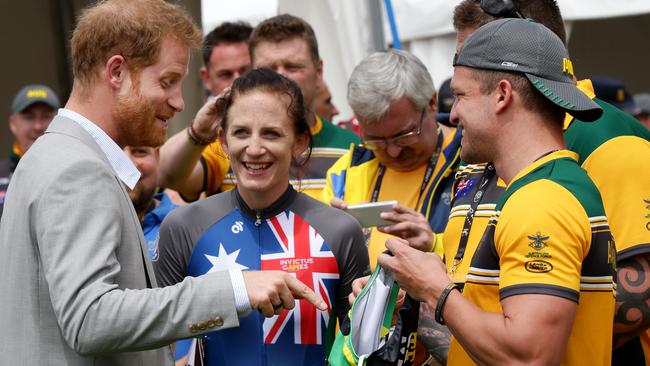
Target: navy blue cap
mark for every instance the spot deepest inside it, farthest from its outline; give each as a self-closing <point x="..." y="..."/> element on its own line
<point x="613" y="92"/>
<point x="445" y="102"/>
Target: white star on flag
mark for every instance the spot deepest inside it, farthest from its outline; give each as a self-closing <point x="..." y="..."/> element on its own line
<point x="224" y="261"/>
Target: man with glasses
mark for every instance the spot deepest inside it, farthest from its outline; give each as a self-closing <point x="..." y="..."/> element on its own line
<point x="406" y="156"/>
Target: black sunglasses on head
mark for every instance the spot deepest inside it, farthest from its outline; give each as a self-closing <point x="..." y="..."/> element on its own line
<point x="501" y="9"/>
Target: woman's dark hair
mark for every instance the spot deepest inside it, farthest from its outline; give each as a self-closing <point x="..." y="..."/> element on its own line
<point x="267" y="80"/>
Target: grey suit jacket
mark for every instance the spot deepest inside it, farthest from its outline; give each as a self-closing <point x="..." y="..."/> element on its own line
<point x="74" y="267"/>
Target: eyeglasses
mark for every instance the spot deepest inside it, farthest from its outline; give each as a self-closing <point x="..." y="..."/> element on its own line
<point x="501" y="9"/>
<point x="402" y="140"/>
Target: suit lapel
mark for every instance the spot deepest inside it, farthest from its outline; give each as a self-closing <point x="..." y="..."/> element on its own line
<point x="151" y="277"/>
<point x="69" y="127"/>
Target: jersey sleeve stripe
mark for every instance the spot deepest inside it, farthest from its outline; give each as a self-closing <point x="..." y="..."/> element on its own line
<point x="484" y="271"/>
<point x="588" y="279"/>
<point x="593" y="286"/>
<point x="597" y="218"/>
<point x="482" y="279"/>
<point x="631" y="252"/>
<point x="542" y="289"/>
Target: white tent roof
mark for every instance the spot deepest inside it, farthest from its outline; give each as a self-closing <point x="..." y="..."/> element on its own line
<point x="425" y="18"/>
<point x="343" y="31"/>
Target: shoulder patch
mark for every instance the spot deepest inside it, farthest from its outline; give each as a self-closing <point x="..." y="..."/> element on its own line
<point x="465" y="186"/>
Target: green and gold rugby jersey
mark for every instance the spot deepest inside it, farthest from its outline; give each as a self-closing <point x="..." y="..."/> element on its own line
<point x="615" y="151"/>
<point x="549" y="235"/>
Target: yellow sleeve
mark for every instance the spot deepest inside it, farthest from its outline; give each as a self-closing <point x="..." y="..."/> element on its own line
<point x="216" y="166"/>
<point x="620" y="168"/>
<point x="542" y="236"/>
<point x="326" y="193"/>
<point x="438" y="246"/>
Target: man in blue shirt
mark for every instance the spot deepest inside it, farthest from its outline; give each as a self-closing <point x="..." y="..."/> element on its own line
<point x="152" y="208"/>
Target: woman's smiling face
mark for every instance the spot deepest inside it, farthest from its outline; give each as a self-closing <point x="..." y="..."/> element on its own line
<point x="261" y="142"/>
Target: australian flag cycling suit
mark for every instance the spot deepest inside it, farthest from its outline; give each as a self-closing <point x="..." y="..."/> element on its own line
<point x="320" y="245"/>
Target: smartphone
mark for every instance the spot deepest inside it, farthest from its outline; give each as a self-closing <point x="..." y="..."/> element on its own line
<point x="368" y="213"/>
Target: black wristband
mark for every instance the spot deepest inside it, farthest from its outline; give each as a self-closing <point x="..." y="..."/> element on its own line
<point x="196" y="139"/>
<point x="442" y="299"/>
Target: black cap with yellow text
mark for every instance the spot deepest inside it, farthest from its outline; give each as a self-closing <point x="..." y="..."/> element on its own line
<point x="32" y="94"/>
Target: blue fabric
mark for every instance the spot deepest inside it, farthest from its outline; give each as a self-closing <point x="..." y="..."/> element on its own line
<point x="438" y="198"/>
<point x="150" y="227"/>
<point x="284" y="242"/>
<point x="151" y="223"/>
<point x="338" y="184"/>
<point x="182" y="348"/>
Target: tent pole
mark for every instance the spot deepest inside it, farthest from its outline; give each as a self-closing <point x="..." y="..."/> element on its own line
<point x="376" y="25"/>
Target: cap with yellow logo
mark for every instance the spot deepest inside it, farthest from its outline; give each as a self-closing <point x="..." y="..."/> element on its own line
<point x="522" y="46"/>
<point x="32" y="94"/>
<point x="613" y="91"/>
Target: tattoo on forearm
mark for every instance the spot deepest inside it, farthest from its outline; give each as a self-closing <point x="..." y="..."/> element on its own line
<point x="433" y="336"/>
<point x="632" y="313"/>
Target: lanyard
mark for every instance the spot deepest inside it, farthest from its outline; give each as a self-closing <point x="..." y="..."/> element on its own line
<point x="427" y="174"/>
<point x="487" y="176"/>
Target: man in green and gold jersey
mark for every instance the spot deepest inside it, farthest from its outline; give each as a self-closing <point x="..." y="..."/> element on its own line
<point x="611" y="150"/>
<point x="539" y="286"/>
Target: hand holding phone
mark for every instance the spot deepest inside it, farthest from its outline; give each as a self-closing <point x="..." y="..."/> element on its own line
<point x="368" y="213"/>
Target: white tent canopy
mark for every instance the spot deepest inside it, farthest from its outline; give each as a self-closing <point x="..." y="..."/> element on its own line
<point x="343" y="31"/>
<point x="425" y="18"/>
